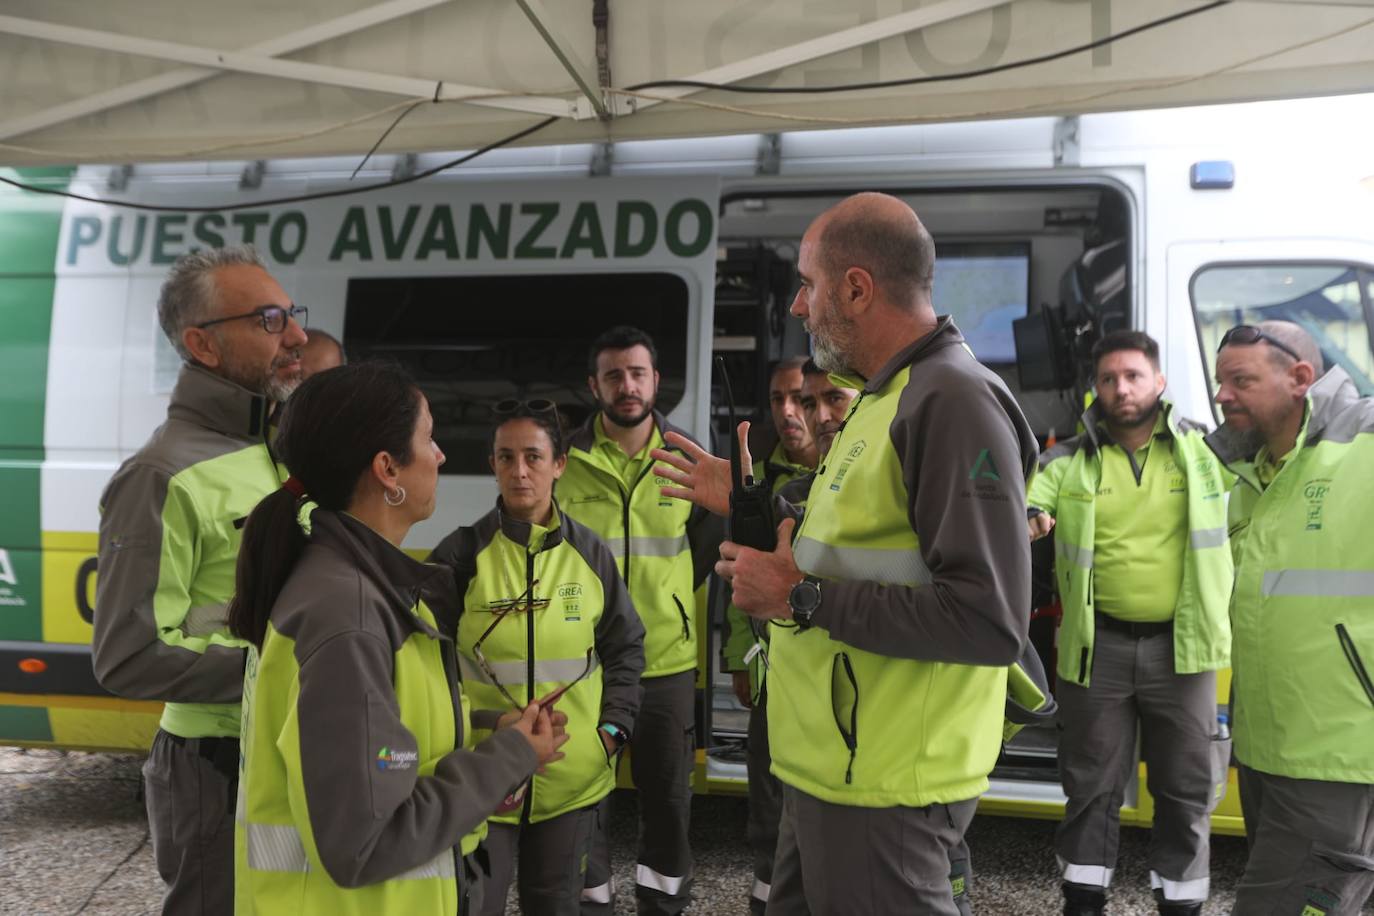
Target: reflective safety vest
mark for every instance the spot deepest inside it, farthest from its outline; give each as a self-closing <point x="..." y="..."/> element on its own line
<point x="856" y="727"/>
<point x="559" y="617"/>
<point x="1302" y="613"/>
<point x="1066" y="488"/>
<point x="171" y="522"/>
<point x="650" y="537"/>
<point x="352" y="703"/>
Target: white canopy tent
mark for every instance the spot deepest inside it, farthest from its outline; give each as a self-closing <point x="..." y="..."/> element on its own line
<point x="145" y="80"/>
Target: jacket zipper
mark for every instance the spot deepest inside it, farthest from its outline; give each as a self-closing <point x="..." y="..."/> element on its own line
<point x="448" y="651"/>
<point x="682" y="612"/>
<point x="625" y="500"/>
<point x="529" y="664"/>
<point x="850" y="734"/>
<point x="1356" y="663"/>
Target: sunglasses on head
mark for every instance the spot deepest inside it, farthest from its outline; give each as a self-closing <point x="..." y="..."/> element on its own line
<point x="512" y="406"/>
<point x="1248" y="334"/>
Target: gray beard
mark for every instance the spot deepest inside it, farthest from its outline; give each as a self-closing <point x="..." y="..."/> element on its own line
<point x="829" y="357"/>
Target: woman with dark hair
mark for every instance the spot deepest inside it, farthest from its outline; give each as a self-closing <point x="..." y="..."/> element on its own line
<point x="362" y="787"/>
<point x="546" y="619"/>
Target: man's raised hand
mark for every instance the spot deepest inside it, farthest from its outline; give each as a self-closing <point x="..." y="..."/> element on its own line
<point x="701" y="478"/>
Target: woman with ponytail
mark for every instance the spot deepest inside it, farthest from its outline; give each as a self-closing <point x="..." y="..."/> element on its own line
<point x="361" y="788"/>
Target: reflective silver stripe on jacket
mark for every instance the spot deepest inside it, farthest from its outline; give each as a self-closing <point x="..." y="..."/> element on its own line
<point x="1318" y="583"/>
<point x="559" y="670"/>
<point x="1207" y="537"/>
<point x="275" y="847"/>
<point x="649" y="547"/>
<point x="1073" y="554"/>
<point x="278" y="847"/>
<point x="900" y="566"/>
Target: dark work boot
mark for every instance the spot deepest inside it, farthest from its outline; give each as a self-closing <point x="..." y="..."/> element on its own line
<point x="1167" y="908"/>
<point x="1081" y="900"/>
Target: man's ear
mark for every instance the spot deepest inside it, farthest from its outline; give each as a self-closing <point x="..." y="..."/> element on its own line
<point x="203" y="346"/>
<point x="1303" y="374"/>
<point x="1160" y="384"/>
<point x="857" y="289"/>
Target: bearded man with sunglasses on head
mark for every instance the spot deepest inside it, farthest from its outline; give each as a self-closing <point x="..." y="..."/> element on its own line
<point x="1302" y="615"/>
<point x="170" y="527"/>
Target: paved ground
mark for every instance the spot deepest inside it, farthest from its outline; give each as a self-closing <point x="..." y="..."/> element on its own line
<point x="73" y="839"/>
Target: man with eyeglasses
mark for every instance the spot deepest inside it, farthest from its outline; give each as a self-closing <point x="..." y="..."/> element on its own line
<point x="171" y="522"/>
<point x="1302" y="614"/>
<point x="1137" y="504"/>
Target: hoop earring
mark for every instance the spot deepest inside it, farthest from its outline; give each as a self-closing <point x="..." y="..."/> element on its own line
<point x="397" y="498"/>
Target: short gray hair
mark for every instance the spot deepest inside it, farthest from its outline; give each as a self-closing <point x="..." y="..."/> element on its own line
<point x="189" y="293"/>
<point x="1296" y="338"/>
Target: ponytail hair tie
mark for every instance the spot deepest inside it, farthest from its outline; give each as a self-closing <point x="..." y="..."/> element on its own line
<point x="294" y="486"/>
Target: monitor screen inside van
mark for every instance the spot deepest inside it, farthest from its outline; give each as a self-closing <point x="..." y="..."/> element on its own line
<point x="985" y="286"/>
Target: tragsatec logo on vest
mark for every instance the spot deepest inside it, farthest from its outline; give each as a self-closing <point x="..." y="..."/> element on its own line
<point x="390" y="759"/>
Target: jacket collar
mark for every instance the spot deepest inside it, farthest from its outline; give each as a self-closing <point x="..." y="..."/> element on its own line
<point x="1094" y="436"/>
<point x="944" y="335"/>
<point x="400" y="578"/>
<point x="1327" y="398"/>
<point x="208" y="400"/>
<point x="519" y="531"/>
<point x="584" y="439"/>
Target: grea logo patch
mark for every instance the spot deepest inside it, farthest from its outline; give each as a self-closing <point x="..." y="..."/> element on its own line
<point x="850" y="457"/>
<point x="570" y="593"/>
<point x="391" y="759"/>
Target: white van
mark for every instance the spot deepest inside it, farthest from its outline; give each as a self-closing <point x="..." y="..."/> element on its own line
<point x="489" y="282"/>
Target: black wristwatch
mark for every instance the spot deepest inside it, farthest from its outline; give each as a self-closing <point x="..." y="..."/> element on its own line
<point x="804" y="599"/>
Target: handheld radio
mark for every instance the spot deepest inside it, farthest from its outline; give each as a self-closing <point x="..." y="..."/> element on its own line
<point x="751" y="505"/>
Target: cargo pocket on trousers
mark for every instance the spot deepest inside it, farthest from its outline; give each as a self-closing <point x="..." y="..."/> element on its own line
<point x="1221" y="770"/>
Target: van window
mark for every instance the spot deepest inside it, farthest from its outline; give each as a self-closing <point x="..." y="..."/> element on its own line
<point x="472" y="342"/>
<point x="1330" y="301"/>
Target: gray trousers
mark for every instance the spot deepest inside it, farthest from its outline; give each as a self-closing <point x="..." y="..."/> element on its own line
<point x="191" y="799"/>
<point x="1311" y="846"/>
<point x="842" y="860"/>
<point x="552" y="858"/>
<point x="765" y="804"/>
<point x="661" y="756"/>
<point x="1133" y="684"/>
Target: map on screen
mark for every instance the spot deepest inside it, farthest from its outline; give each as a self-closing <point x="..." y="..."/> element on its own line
<point x="985" y="289"/>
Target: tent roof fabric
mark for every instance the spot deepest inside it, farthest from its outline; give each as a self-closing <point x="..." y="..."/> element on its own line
<point x="141" y="81"/>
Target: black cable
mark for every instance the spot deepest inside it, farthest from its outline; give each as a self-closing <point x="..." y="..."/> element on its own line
<point x="655" y="84"/>
<point x="299" y="198"/>
<point x="941" y="78"/>
<point x="112" y="872"/>
<point x="386" y="133"/>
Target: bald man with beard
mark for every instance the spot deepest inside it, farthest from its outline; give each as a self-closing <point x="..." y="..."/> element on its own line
<point x="905" y="594"/>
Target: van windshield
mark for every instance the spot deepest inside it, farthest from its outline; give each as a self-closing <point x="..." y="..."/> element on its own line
<point x="1332" y="302"/>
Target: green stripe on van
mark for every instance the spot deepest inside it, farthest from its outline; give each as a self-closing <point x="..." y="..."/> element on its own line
<point x="29" y="228"/>
<point x="25" y="723"/>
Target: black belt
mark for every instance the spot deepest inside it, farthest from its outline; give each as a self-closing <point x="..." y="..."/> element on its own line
<point x="1135" y="630"/>
<point x="223" y="753"/>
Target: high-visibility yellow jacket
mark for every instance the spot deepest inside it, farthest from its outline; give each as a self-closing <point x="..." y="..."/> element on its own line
<point x="565" y="618"/>
<point x="360" y="786"/>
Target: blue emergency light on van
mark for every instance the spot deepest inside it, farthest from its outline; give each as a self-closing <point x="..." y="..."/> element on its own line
<point x="1212" y="174"/>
